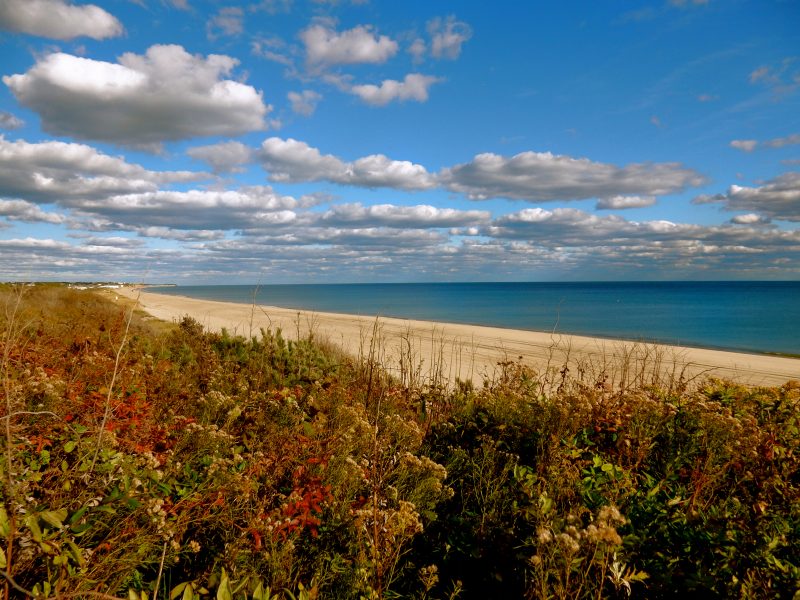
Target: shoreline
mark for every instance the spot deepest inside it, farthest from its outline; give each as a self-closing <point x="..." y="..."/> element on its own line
<point x="606" y="338"/>
<point x="420" y="351"/>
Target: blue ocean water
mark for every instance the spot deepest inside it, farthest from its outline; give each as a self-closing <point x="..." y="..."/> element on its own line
<point x="752" y="316"/>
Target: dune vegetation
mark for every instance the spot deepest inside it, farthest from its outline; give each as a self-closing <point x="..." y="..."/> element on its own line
<point x="150" y="460"/>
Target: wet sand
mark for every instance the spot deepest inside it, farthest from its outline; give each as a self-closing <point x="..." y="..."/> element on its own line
<point x="421" y="351"/>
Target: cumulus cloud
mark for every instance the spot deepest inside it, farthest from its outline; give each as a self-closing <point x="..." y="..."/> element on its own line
<point x="256" y="206"/>
<point x="58" y="19"/>
<point x="447" y="37"/>
<point x="388" y="215"/>
<point x="142" y="100"/>
<point x="326" y="47"/>
<point x="305" y="102"/>
<point x="542" y="176"/>
<point x="20" y="210"/>
<point x="295" y="161"/>
<point x="623" y="202"/>
<point x="778" y="198"/>
<point x="750" y="219"/>
<point x="48" y="172"/>
<point x="165" y="233"/>
<point x="744" y="145"/>
<point x="225" y="157"/>
<point x="9" y="121"/>
<point x="612" y="238"/>
<point x="228" y="21"/>
<point x="413" y="87"/>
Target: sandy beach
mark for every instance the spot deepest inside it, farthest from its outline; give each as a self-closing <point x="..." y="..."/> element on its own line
<point x="419" y="351"/>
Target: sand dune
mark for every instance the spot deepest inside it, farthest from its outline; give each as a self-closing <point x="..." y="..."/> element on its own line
<point x="421" y="349"/>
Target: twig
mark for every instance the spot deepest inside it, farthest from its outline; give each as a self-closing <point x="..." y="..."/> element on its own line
<point x="160" y="570"/>
<point x="29" y="412"/>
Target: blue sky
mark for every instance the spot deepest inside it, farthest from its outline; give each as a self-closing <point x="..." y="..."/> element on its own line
<point x="345" y="141"/>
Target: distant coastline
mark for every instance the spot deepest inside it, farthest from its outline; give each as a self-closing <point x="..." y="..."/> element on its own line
<point x="756" y="317"/>
<point x="468" y="352"/>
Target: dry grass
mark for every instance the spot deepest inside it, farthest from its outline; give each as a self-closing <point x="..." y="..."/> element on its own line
<point x="143" y="458"/>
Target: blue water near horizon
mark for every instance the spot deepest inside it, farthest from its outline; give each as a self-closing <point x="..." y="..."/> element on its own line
<point x="752" y="316"/>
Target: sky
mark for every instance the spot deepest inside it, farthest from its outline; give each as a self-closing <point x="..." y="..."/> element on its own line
<point x="337" y="141"/>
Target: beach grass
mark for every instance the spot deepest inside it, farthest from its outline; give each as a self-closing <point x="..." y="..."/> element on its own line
<point x="142" y="459"/>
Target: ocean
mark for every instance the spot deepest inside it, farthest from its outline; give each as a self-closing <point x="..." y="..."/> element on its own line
<point x="750" y="316"/>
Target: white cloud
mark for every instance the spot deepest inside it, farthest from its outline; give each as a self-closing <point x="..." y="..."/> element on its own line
<point x="273" y="7"/>
<point x="58" y="19"/>
<point x="623" y="202"/>
<point x="762" y="74"/>
<point x="325" y="46"/>
<point x="590" y="237"/>
<point x="143" y="100"/>
<point x="228" y="21"/>
<point x="377" y="170"/>
<point x="413" y="87"/>
<point x="20" y="210"/>
<point x="274" y="49"/>
<point x="165" y="233"/>
<point x="789" y="140"/>
<point x="225" y="157"/>
<point x="192" y="210"/>
<point x="9" y="121"/>
<point x="49" y="172"/>
<point x="388" y="215"/>
<point x="744" y="145"/>
<point x="750" y="219"/>
<point x="542" y="176"/>
<point x="305" y="102"/>
<point x="447" y="37"/>
<point x="778" y="198"/>
<point x="294" y="161"/>
<point x="783" y="77"/>
<point x="417" y="50"/>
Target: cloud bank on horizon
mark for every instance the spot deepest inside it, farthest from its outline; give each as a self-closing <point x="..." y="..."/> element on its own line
<point x="307" y="141"/>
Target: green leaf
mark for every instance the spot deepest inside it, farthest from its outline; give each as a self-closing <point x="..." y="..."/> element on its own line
<point x="78" y="514"/>
<point x="607" y="467"/>
<point x="260" y="593"/>
<point x="178" y="590"/>
<point x="224" y="591"/>
<point x="188" y="593"/>
<point x="70" y="446"/>
<point x="5" y="526"/>
<point x="76" y="552"/>
<point x="32" y="521"/>
<point x="81" y="528"/>
<point x="54" y="518"/>
<point x="3" y="563"/>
